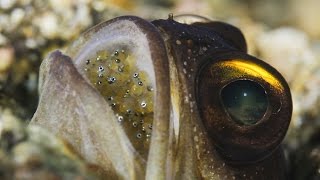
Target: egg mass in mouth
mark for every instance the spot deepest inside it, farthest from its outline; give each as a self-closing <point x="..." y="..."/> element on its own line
<point x="127" y="90"/>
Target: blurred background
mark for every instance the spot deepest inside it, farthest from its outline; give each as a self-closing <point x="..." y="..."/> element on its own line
<point x="285" y="33"/>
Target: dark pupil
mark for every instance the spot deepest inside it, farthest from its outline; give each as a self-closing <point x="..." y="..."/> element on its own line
<point x="245" y="101"/>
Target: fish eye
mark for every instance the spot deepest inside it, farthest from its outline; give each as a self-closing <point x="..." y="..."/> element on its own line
<point x="245" y="106"/>
<point x="245" y="101"/>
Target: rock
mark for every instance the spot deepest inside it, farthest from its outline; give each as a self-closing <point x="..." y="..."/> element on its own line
<point x="287" y="49"/>
<point x="306" y="16"/>
<point x="7" y="4"/>
<point x="7" y="58"/>
<point x="33" y="153"/>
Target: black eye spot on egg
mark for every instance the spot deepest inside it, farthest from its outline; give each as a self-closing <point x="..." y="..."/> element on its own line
<point x="245" y="101"/>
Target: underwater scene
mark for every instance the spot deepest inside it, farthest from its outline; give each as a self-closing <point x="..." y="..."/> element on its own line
<point x="159" y="89"/>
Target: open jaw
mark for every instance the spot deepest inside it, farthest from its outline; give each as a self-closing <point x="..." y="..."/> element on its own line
<point x="117" y="61"/>
<point x="126" y="61"/>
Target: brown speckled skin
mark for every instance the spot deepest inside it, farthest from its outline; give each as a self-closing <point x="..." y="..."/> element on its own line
<point x="192" y="48"/>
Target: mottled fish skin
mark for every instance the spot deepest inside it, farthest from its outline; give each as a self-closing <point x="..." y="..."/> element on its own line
<point x="190" y="46"/>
